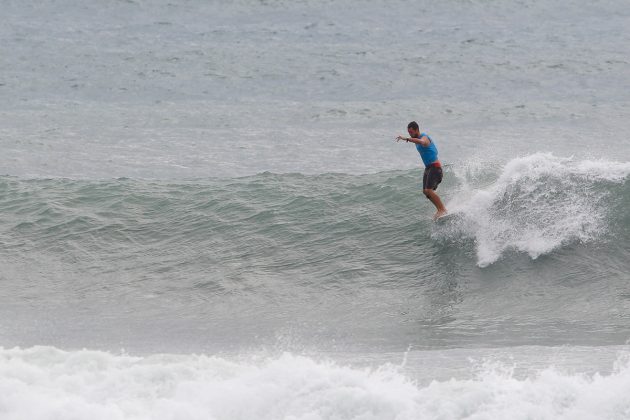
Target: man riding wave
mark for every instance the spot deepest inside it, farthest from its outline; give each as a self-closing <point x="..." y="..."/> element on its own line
<point x="432" y="167"/>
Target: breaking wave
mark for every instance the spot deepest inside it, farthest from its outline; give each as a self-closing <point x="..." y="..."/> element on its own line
<point x="537" y="204"/>
<point x="48" y="383"/>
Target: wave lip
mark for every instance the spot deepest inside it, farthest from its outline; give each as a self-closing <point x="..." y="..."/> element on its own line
<point x="537" y="204"/>
<point x="47" y="383"/>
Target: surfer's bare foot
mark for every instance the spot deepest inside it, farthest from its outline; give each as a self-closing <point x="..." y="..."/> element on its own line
<point x="439" y="214"/>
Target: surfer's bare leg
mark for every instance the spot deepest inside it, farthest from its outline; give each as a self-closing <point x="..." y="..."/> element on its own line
<point x="437" y="202"/>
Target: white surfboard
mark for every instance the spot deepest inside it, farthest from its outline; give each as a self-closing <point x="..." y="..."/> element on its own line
<point x="446" y="218"/>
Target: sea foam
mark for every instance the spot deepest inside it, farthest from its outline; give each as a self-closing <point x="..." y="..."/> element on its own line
<point x="49" y="383"/>
<point x="536" y="204"/>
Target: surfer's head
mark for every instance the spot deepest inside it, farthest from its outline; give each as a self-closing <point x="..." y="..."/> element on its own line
<point x="413" y="129"/>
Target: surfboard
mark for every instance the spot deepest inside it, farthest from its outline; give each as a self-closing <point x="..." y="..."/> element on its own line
<point x="447" y="217"/>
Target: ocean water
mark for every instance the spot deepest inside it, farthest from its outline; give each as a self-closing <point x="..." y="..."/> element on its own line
<point x="204" y="213"/>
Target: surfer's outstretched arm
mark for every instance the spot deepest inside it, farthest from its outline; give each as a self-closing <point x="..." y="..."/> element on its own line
<point x="424" y="140"/>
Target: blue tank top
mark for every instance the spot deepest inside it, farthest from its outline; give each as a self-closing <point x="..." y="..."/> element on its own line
<point x="428" y="154"/>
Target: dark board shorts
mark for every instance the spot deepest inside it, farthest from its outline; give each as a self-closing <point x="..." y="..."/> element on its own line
<point x="432" y="177"/>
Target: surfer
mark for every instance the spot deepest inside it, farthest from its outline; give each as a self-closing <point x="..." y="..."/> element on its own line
<point x="432" y="167"/>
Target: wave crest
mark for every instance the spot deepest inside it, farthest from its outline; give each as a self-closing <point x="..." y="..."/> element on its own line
<point x="537" y="203"/>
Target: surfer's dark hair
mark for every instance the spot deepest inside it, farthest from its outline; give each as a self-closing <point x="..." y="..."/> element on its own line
<point x="413" y="125"/>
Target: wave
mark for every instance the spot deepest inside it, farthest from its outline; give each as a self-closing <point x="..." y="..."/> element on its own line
<point x="49" y="383"/>
<point x="539" y="203"/>
<point x="313" y="258"/>
<point x="534" y="204"/>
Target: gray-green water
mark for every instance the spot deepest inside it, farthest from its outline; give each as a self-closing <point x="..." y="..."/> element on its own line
<point x="535" y="255"/>
<point x="204" y="213"/>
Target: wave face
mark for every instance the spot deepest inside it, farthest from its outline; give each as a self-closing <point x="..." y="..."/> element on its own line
<point x="309" y="259"/>
<point x="46" y="383"/>
<point x="534" y="204"/>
